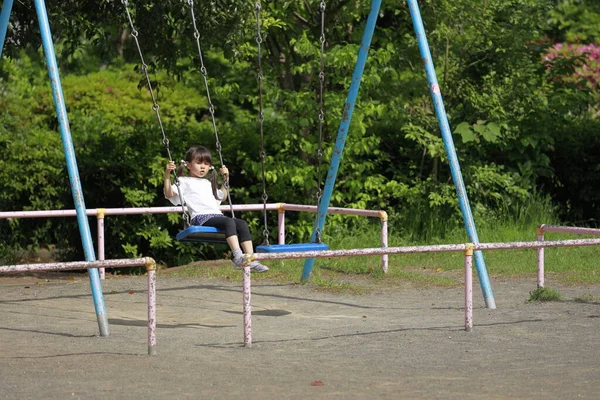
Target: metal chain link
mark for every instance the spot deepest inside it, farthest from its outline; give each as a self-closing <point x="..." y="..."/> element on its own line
<point x="261" y="117"/>
<point x="155" y="108"/>
<point x="321" y="117"/>
<point x="211" y="107"/>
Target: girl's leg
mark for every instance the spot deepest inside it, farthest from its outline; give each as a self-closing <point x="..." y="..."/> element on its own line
<point x="247" y="247"/>
<point x="233" y="242"/>
<point x="246" y="240"/>
<point x="236" y="231"/>
<point x="243" y="232"/>
<point x="228" y="225"/>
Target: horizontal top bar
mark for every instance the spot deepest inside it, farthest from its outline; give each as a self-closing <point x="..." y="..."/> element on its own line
<point x="151" y="264"/>
<point x="426" y="249"/>
<point x="59" y="266"/>
<point x="569" y="229"/>
<point x="177" y="209"/>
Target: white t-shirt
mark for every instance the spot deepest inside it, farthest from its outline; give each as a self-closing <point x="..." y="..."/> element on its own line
<point x="198" y="196"/>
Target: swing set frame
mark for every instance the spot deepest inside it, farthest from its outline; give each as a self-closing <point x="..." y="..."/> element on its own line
<point x="343" y="130"/>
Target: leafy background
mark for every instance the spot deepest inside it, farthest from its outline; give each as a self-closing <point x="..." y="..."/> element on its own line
<point x="519" y="80"/>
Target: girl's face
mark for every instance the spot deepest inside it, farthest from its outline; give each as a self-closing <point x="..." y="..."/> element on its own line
<point x="198" y="169"/>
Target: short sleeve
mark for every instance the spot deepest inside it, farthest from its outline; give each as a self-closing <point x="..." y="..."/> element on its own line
<point x="175" y="199"/>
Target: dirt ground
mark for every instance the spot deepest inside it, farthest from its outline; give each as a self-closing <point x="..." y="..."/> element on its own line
<point x="404" y="343"/>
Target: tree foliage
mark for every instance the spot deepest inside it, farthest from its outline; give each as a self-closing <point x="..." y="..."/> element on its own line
<point x="521" y="121"/>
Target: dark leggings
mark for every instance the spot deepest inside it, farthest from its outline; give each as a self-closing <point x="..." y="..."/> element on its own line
<point x="231" y="226"/>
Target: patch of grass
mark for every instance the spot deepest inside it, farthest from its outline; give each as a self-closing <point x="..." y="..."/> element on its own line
<point x="10" y="256"/>
<point x="544" y="294"/>
<point x="587" y="298"/>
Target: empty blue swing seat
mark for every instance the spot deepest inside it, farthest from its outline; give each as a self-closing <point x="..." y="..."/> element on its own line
<point x="198" y="233"/>
<point x="296" y="247"/>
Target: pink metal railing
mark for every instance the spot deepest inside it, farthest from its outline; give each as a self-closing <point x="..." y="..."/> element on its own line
<point x="101" y="213"/>
<point x="119" y="263"/>
<point x="281" y="208"/>
<point x="467" y="248"/>
<point x="560" y="229"/>
<point x="151" y="272"/>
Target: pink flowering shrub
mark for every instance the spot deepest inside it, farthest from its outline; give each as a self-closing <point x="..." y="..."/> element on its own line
<point x="584" y="61"/>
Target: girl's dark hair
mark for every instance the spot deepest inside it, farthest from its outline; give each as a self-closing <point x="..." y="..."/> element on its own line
<point x="201" y="154"/>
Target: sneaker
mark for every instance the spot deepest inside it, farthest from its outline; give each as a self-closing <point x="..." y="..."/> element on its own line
<point x="238" y="263"/>
<point x="256" y="266"/>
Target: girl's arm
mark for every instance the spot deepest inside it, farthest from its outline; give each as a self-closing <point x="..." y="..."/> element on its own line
<point x="167" y="188"/>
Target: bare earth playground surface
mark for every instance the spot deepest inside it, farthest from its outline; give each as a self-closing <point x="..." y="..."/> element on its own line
<point x="392" y="343"/>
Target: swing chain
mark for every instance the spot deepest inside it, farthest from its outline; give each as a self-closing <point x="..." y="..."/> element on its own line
<point x="211" y="107"/>
<point x="155" y="107"/>
<point x="321" y="118"/>
<point x="261" y="117"/>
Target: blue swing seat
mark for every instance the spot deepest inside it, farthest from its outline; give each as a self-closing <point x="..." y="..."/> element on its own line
<point x="296" y="247"/>
<point x="199" y="233"/>
<point x="210" y="234"/>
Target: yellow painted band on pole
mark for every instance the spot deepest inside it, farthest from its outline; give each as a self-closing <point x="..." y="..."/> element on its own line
<point x="383" y="217"/>
<point x="150" y="264"/>
<point x="469" y="248"/>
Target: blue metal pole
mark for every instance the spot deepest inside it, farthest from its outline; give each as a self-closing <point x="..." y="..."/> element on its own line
<point x="4" y="19"/>
<point x="338" y="150"/>
<point x="65" y="131"/>
<point x="450" y="150"/>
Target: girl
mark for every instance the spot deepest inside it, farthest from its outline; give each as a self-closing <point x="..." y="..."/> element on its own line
<point x="203" y="197"/>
